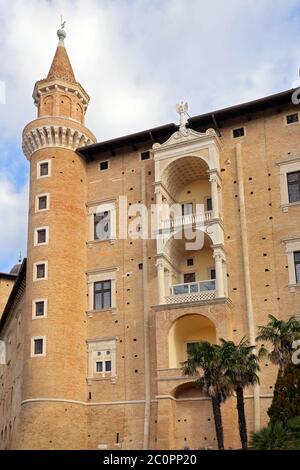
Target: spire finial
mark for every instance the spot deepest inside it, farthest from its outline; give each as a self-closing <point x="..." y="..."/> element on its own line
<point x="181" y="109"/>
<point x="61" y="32"/>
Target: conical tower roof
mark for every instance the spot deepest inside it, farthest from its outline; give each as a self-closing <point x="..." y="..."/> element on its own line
<point x="61" y="67"/>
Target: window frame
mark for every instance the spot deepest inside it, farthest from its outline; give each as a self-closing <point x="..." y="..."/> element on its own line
<point x="34" y="315"/>
<point x="289" y="183"/>
<point x="38" y="171"/>
<point x="104" y="169"/>
<point x="238" y="128"/>
<point x="297" y="263"/>
<point x="35" y="264"/>
<point x="109" y="274"/>
<point x="36" y="230"/>
<point x="32" y="349"/>
<point x="291" y="165"/>
<point x="37" y="198"/>
<point x="188" y="273"/>
<point x="102" y="293"/>
<point x="102" y="346"/>
<point x="292" y="246"/>
<point x="145" y="159"/>
<point x="291" y="123"/>
<point x="98" y="208"/>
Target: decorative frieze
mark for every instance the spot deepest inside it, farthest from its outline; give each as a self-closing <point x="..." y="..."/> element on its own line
<point x="53" y="136"/>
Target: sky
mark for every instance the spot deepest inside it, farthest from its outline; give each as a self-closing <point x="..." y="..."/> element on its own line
<point x="136" y="59"/>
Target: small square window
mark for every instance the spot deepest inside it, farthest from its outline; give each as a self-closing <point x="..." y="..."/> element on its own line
<point x="38" y="346"/>
<point x="292" y="118"/>
<point x="40" y="271"/>
<point x="41" y="236"/>
<point x="145" y="155"/>
<point x="44" y="169"/>
<point x="40" y="308"/>
<point x="42" y="204"/>
<point x="104" y="165"/>
<point x="239" y="132"/>
<point x="190" y="262"/>
<point x="189" y="277"/>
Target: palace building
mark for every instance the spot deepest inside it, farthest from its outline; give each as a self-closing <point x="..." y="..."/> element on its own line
<point x="96" y="321"/>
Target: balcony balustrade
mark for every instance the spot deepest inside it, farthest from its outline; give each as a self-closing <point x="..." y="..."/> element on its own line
<point x="192" y="292"/>
<point x="187" y="220"/>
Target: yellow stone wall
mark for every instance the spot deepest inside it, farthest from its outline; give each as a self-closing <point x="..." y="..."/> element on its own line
<point x="6" y="286"/>
<point x="105" y="409"/>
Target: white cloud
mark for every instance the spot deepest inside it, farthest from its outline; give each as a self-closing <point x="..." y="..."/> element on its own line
<point x="137" y="58"/>
<point x="13" y="217"/>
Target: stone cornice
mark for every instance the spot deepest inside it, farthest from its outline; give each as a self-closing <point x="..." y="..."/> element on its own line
<point x="54" y="135"/>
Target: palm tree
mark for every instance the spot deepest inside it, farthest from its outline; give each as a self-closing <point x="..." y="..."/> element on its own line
<point x="208" y="358"/>
<point x="242" y="366"/>
<point x="281" y="335"/>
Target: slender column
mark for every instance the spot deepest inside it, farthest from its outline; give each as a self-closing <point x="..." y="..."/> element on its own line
<point x="219" y="274"/>
<point x="160" y="282"/>
<point x="158" y="200"/>
<point x="214" y="195"/>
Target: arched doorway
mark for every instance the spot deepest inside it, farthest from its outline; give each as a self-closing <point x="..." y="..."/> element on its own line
<point x="185" y="332"/>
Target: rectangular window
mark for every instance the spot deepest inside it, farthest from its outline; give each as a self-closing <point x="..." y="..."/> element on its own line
<point x="102" y="295"/>
<point x="40" y="308"/>
<point x="41" y="236"/>
<point x="99" y="366"/>
<point x="209" y="204"/>
<point x="213" y="273"/>
<point x="292" y="118"/>
<point x="190" y="262"/>
<point x="38" y="346"/>
<point x="145" y="155"/>
<point x="44" y="169"/>
<point x="102" y="226"/>
<point x="297" y="266"/>
<point x="104" y="165"/>
<point x="40" y="271"/>
<point x="107" y="366"/>
<point x="42" y="203"/>
<point x="189" y="277"/>
<point x="293" y="181"/>
<point x="240" y="132"/>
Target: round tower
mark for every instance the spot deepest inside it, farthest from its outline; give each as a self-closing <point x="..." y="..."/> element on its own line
<point x="55" y="362"/>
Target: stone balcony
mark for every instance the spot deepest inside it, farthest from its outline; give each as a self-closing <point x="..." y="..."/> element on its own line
<point x="192" y="292"/>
